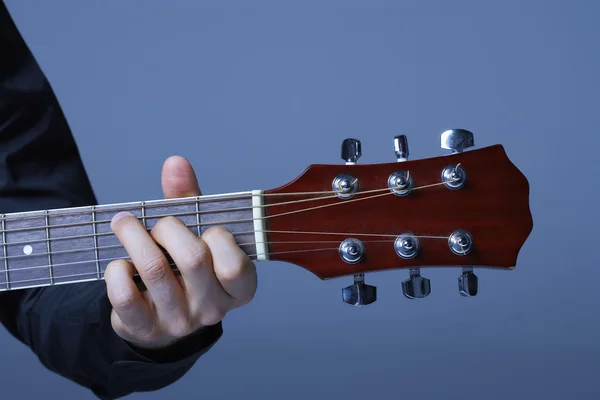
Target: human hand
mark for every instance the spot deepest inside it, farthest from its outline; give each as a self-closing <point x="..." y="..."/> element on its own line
<point x="216" y="275"/>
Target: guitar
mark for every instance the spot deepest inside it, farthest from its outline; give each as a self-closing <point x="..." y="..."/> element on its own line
<point x="469" y="208"/>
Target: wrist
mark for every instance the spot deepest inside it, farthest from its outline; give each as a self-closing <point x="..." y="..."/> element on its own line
<point x="177" y="349"/>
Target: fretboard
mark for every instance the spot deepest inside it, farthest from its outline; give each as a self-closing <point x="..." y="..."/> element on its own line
<point x="59" y="246"/>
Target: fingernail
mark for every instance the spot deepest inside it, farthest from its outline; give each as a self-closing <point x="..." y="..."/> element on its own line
<point x="120" y="215"/>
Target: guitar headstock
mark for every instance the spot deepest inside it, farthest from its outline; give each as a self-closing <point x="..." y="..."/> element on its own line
<point x="467" y="209"/>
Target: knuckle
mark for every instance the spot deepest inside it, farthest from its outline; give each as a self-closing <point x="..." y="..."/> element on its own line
<point x="180" y="328"/>
<point x="212" y="317"/>
<point x="122" y="299"/>
<point x="154" y="268"/>
<point x="236" y="269"/>
<point x="195" y="256"/>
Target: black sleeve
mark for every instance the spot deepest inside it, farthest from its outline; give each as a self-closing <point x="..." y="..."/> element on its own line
<point x="68" y="326"/>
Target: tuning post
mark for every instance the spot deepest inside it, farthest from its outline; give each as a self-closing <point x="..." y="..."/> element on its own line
<point x="400" y="183"/>
<point x="454" y="176"/>
<point x="345" y="186"/>
<point x="407" y="246"/>
<point x="460" y="242"/>
<point x="359" y="293"/>
<point x="352" y="251"/>
<point x="468" y="283"/>
<point x="416" y="286"/>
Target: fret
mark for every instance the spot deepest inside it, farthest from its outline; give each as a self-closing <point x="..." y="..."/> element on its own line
<point x="51" y="271"/>
<point x="26" y="249"/>
<point x="4" y="278"/>
<point x="144" y="215"/>
<point x="233" y="214"/>
<point x="109" y="246"/>
<point x="184" y="210"/>
<point x="199" y="230"/>
<point x="98" y="271"/>
<point x="72" y="241"/>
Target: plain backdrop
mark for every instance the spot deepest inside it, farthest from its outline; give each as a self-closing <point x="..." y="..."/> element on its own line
<point x="253" y="92"/>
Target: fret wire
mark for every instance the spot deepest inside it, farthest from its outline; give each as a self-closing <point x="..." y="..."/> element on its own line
<point x="96" y="253"/>
<point x="198" y="216"/>
<point x="50" y="267"/>
<point x="5" y="253"/>
<point x="144" y="214"/>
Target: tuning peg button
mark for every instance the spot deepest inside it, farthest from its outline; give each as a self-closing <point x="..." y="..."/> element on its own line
<point x="416" y="287"/>
<point x="468" y="283"/>
<point x="359" y="294"/>
<point x="457" y="140"/>
<point x="401" y="147"/>
<point x="351" y="150"/>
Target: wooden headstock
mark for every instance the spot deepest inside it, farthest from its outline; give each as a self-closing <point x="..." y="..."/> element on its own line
<point x="307" y="222"/>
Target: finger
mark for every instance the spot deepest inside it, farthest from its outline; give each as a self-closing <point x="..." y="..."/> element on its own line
<point x="125" y="298"/>
<point x="233" y="268"/>
<point x="152" y="265"/>
<point x="192" y="257"/>
<point x="178" y="178"/>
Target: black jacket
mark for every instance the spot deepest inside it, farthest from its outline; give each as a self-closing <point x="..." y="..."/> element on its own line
<point x="67" y="326"/>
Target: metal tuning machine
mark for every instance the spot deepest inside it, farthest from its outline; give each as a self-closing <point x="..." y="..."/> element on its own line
<point x="406" y="245"/>
<point x="346" y="185"/>
<point x="455" y="177"/>
<point x="352" y="250"/>
<point x="401" y="182"/>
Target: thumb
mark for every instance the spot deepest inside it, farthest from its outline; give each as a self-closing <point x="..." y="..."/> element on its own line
<point x="178" y="178"/>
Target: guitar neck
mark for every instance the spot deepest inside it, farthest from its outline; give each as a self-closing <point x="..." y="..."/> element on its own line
<point x="69" y="245"/>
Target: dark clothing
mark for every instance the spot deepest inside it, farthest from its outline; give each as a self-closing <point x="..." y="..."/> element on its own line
<point x="67" y="326"/>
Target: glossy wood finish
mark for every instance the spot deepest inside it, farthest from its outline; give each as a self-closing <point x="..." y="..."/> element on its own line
<point x="493" y="207"/>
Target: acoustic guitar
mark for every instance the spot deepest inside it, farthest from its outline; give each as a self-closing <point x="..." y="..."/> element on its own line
<point x="468" y="208"/>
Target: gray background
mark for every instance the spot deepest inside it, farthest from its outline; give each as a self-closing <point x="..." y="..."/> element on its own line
<point x="252" y="92"/>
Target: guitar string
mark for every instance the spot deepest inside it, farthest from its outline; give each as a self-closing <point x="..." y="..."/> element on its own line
<point x="387" y="193"/>
<point x="95" y="260"/>
<point x="295" y="211"/>
<point x="192" y="200"/>
<point x="99" y="209"/>
<point x="66" y="264"/>
<point x="102" y="273"/>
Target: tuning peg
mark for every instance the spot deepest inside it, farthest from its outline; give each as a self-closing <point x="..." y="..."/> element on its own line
<point x="359" y="294"/>
<point x="468" y="283"/>
<point x="457" y="140"/>
<point x="416" y="286"/>
<point x="351" y="150"/>
<point x="401" y="147"/>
